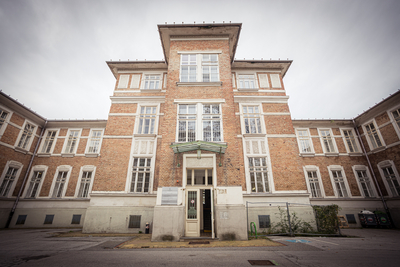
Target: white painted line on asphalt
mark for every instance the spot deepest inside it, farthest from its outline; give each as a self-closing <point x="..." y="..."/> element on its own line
<point x="324" y="241"/>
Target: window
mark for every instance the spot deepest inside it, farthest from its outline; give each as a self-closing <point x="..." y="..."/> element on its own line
<point x="94" y="141"/>
<point x="3" y="118"/>
<point x="26" y="136"/>
<point x="48" y="219"/>
<point x="123" y="81"/>
<point x="21" y="219"/>
<point x="141" y="173"/>
<point x="314" y="183"/>
<point x="34" y="183"/>
<point x="390" y="177"/>
<point x="246" y="81"/>
<point x="49" y="141"/>
<point x="373" y="138"/>
<point x="364" y="182"/>
<point x="327" y="141"/>
<point x="211" y="123"/>
<point x="147" y="120"/>
<point x="351" y="218"/>
<point x="199" y="68"/>
<point x="396" y="116"/>
<point x="76" y="219"/>
<point x="72" y="141"/>
<point x="350" y="141"/>
<point x="85" y="184"/>
<point x="258" y="175"/>
<point x="134" y="221"/>
<point x="303" y="137"/>
<point x="339" y="182"/>
<point x="60" y="181"/>
<point x="264" y="221"/>
<point x="199" y="176"/>
<point x="188" y="68"/>
<point x="252" y="123"/>
<point x="206" y="117"/>
<point x="9" y="178"/>
<point x="210" y="67"/>
<point x="152" y="81"/>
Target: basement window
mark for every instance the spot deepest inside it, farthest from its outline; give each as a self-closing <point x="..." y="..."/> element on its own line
<point x="134" y="221"/>
<point x="264" y="221"/>
<point x="351" y="218"/>
<point x="48" y="219"/>
<point x="76" y="219"/>
<point x="21" y="219"/>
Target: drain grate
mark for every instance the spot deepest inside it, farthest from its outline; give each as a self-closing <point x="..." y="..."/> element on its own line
<point x="199" y="242"/>
<point x="261" y="262"/>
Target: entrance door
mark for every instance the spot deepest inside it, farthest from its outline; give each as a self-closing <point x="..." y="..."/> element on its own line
<point x="192" y="213"/>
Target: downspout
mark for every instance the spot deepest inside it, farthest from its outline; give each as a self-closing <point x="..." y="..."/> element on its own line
<point x="372" y="172"/>
<point x="26" y="176"/>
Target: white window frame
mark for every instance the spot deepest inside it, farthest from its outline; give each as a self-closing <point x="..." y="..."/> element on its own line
<point x="199" y="133"/>
<point x="34" y="169"/>
<point x="360" y="188"/>
<point x="260" y="126"/>
<point x="62" y="168"/>
<point x="313" y="168"/>
<point x="67" y="139"/>
<point x="139" y="114"/>
<point x="86" y="168"/>
<point x="87" y="152"/>
<point x="392" y="118"/>
<point x="6" y="120"/>
<point x="339" y="168"/>
<point x="44" y="141"/>
<point x="147" y="80"/>
<point x="267" y="171"/>
<point x="384" y="164"/>
<point x="148" y="169"/>
<point x="123" y="81"/>
<point x="11" y="164"/>
<point x="368" y="137"/>
<point x="321" y="137"/>
<point x="240" y="76"/>
<point x="357" y="144"/>
<point x="199" y="66"/>
<point x="299" y="138"/>
<point x="21" y="133"/>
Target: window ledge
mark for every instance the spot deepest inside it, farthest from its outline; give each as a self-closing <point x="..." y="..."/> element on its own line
<point x="199" y="83"/>
<point x="91" y="155"/>
<point x="144" y="135"/>
<point x="254" y="135"/>
<point x="43" y="155"/>
<point x="150" y="90"/>
<point x="67" y="155"/>
<point x="248" y="89"/>
<point x="307" y="154"/>
<point x="355" y="154"/>
<point x="332" y="154"/>
<point x="378" y="149"/>
<point x="21" y="150"/>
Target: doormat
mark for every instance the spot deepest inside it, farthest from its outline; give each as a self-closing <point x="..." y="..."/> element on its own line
<point x="260" y="262"/>
<point x="199" y="242"/>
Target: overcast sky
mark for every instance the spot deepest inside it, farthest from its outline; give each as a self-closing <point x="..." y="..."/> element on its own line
<point x="345" y="53"/>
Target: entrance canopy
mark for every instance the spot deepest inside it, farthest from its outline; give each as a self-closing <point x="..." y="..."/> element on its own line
<point x="198" y="145"/>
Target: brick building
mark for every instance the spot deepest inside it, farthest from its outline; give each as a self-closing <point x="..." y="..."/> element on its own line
<point x="189" y="141"/>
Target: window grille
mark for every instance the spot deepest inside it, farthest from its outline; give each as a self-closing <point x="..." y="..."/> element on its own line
<point x="264" y="221"/>
<point x="211" y="123"/>
<point x="76" y="219"/>
<point x="351" y="218"/>
<point x="187" y="123"/>
<point x="134" y="221"/>
<point x="48" y="219"/>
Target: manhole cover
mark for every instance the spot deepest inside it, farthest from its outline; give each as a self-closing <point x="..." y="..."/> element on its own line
<point x="199" y="242"/>
<point x="261" y="262"/>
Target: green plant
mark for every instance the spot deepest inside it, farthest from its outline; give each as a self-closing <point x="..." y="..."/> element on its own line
<point x="327" y="219"/>
<point x="140" y="232"/>
<point x="296" y="224"/>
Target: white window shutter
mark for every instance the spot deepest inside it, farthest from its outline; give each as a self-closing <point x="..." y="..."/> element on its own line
<point x="263" y="78"/>
<point x="165" y="81"/>
<point x="233" y="81"/>
<point x="135" y="81"/>
<point x="123" y="81"/>
<point x="276" y="82"/>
